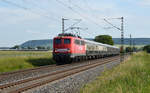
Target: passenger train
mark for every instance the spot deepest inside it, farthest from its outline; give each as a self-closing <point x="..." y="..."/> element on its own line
<point x="68" y="48"/>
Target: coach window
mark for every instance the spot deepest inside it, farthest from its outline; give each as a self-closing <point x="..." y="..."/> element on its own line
<point x="67" y="41"/>
<point x="57" y="41"/>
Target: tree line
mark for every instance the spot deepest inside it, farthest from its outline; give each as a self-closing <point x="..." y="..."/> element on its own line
<point x="106" y="39"/>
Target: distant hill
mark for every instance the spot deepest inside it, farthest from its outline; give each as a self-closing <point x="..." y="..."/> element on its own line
<point x="136" y="41"/>
<point x="4" y="47"/>
<point x="36" y="43"/>
<point x="49" y="42"/>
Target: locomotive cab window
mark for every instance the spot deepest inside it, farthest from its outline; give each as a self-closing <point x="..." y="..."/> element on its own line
<point x="77" y="42"/>
<point x="57" y="41"/>
<point x="67" y="41"/>
<point x="82" y="43"/>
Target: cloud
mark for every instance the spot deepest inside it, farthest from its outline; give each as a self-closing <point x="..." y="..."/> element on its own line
<point x="36" y="32"/>
<point x="145" y="2"/>
<point x="15" y="16"/>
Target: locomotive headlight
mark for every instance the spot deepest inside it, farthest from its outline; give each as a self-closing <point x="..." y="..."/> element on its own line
<point x="68" y="49"/>
<point x="55" y="49"/>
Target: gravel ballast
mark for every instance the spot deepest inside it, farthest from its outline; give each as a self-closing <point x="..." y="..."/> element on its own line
<point x="72" y="84"/>
<point x="35" y="73"/>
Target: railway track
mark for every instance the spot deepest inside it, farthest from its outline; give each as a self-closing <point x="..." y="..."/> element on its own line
<point x="28" y="73"/>
<point x="26" y="84"/>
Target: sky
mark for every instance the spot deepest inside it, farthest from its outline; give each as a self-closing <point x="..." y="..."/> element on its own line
<point x="23" y="20"/>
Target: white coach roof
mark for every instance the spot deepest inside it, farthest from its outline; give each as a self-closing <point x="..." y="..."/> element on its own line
<point x="97" y="43"/>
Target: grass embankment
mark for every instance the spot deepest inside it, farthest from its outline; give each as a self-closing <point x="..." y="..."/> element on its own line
<point x="133" y="76"/>
<point x="16" y="60"/>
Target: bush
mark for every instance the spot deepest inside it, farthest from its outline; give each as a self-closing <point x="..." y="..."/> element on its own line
<point x="128" y="49"/>
<point x="105" y="39"/>
<point x="147" y="48"/>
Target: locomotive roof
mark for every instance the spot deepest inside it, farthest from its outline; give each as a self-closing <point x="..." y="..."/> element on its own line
<point x="68" y="34"/>
<point x="88" y="41"/>
<point x="93" y="42"/>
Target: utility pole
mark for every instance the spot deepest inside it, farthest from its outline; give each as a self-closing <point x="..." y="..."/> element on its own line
<point x="130" y="40"/>
<point x="63" y="25"/>
<point x="122" y="39"/>
<point x="130" y="44"/>
<point x="133" y="45"/>
<point x="122" y="35"/>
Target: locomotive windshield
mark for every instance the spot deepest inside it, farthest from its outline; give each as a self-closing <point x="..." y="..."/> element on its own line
<point x="57" y="41"/>
<point x="67" y="41"/>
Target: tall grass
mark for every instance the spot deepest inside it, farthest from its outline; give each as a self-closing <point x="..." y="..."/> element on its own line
<point x="16" y="60"/>
<point x="132" y="76"/>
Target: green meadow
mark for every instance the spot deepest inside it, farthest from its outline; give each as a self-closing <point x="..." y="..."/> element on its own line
<point x="137" y="46"/>
<point x="16" y="60"/>
<point x="132" y="76"/>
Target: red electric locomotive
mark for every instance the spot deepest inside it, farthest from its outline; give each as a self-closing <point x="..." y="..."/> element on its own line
<point x="67" y="47"/>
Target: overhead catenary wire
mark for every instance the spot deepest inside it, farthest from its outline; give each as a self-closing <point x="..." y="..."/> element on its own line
<point x="17" y="5"/>
<point x="86" y="18"/>
<point x="112" y="24"/>
<point x="91" y="16"/>
<point x="27" y="9"/>
<point x="81" y="15"/>
<point x="31" y="11"/>
<point x="103" y="19"/>
<point x="94" y="16"/>
<point x="43" y="9"/>
<point x="88" y="6"/>
<point x="48" y="16"/>
<point x="73" y="25"/>
<point x="79" y="7"/>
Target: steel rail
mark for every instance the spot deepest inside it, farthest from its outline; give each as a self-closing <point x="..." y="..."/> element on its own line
<point x="24" y="71"/>
<point x="65" y="73"/>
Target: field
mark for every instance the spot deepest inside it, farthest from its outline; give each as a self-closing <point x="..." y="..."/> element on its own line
<point x="16" y="60"/>
<point x="137" y="46"/>
<point x="132" y="76"/>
